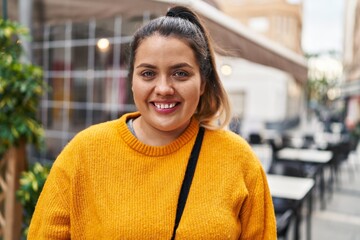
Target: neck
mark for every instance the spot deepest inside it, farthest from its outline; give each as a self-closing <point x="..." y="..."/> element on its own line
<point x="152" y="136"/>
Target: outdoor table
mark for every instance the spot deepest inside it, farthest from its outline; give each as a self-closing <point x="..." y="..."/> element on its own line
<point x="294" y="188"/>
<point x="305" y="155"/>
<point x="312" y="156"/>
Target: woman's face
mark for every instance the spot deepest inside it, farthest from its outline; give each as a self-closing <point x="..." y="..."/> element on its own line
<point x="166" y="83"/>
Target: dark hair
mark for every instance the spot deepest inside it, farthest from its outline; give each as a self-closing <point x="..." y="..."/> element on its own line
<point x="184" y="24"/>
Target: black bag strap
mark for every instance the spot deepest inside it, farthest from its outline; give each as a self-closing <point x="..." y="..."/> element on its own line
<point x="185" y="187"/>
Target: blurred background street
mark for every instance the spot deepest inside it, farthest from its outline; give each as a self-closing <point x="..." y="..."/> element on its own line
<point x="290" y="67"/>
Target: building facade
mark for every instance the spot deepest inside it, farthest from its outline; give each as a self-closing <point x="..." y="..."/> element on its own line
<point x="352" y="40"/>
<point x="278" y="20"/>
<point x="352" y="63"/>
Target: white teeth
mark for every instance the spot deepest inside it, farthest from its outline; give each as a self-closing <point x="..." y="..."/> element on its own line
<point x="165" y="106"/>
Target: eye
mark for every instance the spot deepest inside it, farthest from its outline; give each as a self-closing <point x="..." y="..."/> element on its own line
<point x="147" y="74"/>
<point x="181" y="74"/>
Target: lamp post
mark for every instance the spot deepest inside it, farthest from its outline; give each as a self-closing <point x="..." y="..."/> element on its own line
<point x="4" y="9"/>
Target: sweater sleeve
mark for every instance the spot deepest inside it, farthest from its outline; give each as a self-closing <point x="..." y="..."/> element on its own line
<point x="257" y="215"/>
<point x="51" y="219"/>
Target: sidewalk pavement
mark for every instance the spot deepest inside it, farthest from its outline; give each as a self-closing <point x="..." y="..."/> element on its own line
<point x="340" y="220"/>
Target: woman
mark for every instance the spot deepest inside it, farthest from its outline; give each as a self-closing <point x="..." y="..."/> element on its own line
<point x="123" y="179"/>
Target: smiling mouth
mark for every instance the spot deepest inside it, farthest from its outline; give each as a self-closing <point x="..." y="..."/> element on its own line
<point x="165" y="105"/>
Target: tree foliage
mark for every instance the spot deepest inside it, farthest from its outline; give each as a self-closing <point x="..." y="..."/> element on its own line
<point x="21" y="87"/>
<point x="31" y="185"/>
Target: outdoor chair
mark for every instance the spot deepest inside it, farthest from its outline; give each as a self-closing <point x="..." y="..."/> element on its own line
<point x="283" y="222"/>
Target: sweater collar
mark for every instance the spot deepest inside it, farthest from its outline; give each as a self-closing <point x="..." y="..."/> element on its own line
<point x="188" y="135"/>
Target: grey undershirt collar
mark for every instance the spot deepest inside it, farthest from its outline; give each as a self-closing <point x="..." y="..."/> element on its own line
<point x="130" y="125"/>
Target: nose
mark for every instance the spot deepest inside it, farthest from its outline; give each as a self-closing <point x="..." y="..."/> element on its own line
<point x="164" y="86"/>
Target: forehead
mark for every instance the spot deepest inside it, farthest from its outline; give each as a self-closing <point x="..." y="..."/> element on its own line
<point x="158" y="47"/>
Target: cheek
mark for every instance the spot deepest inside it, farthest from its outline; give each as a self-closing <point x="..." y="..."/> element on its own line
<point x="140" y="90"/>
<point x="135" y="86"/>
<point x="135" y="90"/>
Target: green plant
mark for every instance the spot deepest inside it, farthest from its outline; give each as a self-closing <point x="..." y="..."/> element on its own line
<point x="31" y="184"/>
<point x="21" y="86"/>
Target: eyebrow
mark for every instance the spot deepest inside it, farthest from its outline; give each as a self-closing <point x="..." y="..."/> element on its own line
<point x="179" y="65"/>
<point x="145" y="65"/>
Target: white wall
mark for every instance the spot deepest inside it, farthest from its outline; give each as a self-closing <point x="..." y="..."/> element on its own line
<point x="269" y="95"/>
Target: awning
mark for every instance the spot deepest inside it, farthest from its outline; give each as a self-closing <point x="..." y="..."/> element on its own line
<point x="230" y="35"/>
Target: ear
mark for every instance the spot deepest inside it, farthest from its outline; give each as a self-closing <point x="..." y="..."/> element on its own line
<point x="132" y="85"/>
<point x="202" y="87"/>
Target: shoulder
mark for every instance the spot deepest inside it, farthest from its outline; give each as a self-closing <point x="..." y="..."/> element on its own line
<point x="91" y="136"/>
<point x="232" y="148"/>
<point x="106" y="131"/>
<point x="86" y="146"/>
<point x="227" y="139"/>
<point x="100" y="130"/>
<point x="96" y="137"/>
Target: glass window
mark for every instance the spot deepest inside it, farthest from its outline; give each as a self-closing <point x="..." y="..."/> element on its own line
<point x="79" y="58"/>
<point x="104" y="58"/>
<point x="42" y="114"/>
<point x="55" y="118"/>
<point x="123" y="56"/>
<point x="112" y="90"/>
<point x="99" y="116"/>
<point x="104" y="28"/>
<point x="38" y="34"/>
<point x="56" y="91"/>
<point x="57" y="59"/>
<point x="99" y="90"/>
<point x="57" y="33"/>
<point x="130" y="25"/>
<point x="37" y="56"/>
<point x="88" y="82"/>
<point x="78" y="90"/>
<point x="53" y="147"/>
<point x="80" y="31"/>
<point x="77" y="119"/>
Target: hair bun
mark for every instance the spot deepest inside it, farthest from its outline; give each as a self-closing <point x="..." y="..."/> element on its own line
<point x="182" y="12"/>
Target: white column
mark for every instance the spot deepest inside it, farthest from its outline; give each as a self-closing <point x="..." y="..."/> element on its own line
<point x="25" y="19"/>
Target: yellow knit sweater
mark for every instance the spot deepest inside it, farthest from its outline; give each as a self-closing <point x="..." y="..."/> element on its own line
<point x="108" y="185"/>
